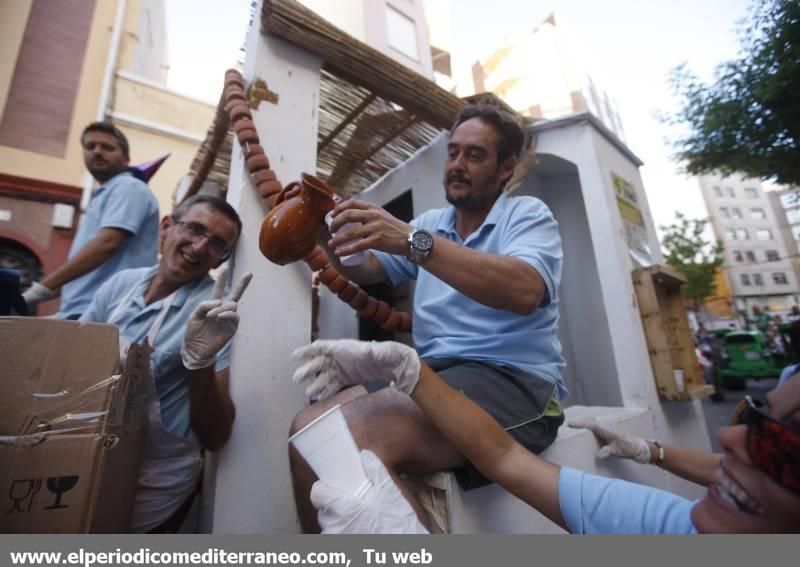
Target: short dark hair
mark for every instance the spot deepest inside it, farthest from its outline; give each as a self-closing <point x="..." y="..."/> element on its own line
<point x="110" y="129"/>
<point x="510" y="136"/>
<point x="215" y="203"/>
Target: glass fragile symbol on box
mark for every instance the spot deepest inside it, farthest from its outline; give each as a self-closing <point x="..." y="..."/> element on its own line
<point x="330" y="450"/>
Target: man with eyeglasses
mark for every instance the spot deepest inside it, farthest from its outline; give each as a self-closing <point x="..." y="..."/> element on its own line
<point x="757" y="478"/>
<point x="118" y="231"/>
<point x="179" y="310"/>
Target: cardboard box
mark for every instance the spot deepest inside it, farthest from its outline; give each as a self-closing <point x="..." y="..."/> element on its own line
<point x="71" y="428"/>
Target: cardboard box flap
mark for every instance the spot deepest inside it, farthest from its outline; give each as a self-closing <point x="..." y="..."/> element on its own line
<point x="47" y="361"/>
<point x="131" y="397"/>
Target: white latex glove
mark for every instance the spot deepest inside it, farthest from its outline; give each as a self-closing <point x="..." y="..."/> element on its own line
<point x="347" y="362"/>
<point x="618" y="444"/>
<point x="212" y="324"/>
<point x="382" y="509"/>
<point x="37" y="293"/>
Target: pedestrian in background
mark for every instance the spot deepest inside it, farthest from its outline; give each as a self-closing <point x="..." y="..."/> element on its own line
<point x="118" y="231"/>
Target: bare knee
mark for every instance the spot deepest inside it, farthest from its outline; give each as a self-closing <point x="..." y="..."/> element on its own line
<point x="392" y="426"/>
<point x="312" y="412"/>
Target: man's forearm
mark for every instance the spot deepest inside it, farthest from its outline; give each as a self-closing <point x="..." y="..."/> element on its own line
<point x="496" y="281"/>
<point x="211" y="409"/>
<point x="94" y="254"/>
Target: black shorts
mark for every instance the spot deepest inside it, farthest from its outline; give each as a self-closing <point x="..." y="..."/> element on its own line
<point x="516" y="399"/>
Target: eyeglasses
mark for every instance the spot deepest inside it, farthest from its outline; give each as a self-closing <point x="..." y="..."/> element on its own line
<point x="773" y="445"/>
<point x="196" y="231"/>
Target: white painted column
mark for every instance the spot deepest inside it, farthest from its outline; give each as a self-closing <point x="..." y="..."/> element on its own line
<point x="253" y="492"/>
<point x="675" y="423"/>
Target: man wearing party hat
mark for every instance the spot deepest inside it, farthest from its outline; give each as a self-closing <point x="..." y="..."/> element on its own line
<point x="118" y="231"/>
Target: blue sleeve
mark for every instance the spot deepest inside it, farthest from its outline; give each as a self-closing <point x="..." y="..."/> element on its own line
<point x="531" y="235"/>
<point x="787" y="373"/>
<point x="128" y="207"/>
<point x="397" y="268"/>
<point x="596" y="505"/>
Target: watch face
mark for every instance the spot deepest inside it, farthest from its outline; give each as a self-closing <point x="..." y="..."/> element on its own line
<point x="422" y="241"/>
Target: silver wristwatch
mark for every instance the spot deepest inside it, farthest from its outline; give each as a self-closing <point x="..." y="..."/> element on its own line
<point x="420" y="244"/>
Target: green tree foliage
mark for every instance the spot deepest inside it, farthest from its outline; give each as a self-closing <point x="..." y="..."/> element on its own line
<point x="748" y="119"/>
<point x="691" y="255"/>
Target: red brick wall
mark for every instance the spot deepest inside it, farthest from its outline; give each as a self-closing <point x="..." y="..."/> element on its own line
<point x="31" y="204"/>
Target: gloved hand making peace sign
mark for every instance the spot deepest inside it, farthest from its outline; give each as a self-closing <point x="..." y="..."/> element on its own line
<point x="212" y="324"/>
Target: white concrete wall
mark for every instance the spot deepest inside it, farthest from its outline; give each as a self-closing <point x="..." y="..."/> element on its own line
<point x="253" y="486"/>
<point x="678" y="423"/>
<point x="590" y="374"/>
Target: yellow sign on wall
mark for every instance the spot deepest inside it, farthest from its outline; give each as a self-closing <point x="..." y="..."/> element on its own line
<point x="633" y="221"/>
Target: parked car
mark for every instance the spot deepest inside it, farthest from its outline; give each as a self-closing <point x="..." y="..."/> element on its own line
<point x="748" y="357"/>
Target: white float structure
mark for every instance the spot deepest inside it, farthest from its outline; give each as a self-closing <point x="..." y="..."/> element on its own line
<point x="608" y="368"/>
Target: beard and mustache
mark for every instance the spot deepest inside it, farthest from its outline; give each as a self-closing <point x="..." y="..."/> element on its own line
<point x="474" y="200"/>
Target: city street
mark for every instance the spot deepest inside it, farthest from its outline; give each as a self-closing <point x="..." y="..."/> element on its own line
<point x="718" y="414"/>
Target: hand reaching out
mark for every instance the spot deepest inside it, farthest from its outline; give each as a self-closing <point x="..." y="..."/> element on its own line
<point x="335" y="364"/>
<point x="618" y="444"/>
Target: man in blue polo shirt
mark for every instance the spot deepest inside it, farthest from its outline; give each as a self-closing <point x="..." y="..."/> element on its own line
<point x="485" y="307"/>
<point x="118" y="231"/>
<point x="179" y="310"/>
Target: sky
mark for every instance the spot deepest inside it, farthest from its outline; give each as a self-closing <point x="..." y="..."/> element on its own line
<point x="629" y="47"/>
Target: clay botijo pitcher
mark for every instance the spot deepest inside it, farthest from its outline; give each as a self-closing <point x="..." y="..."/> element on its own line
<point x="291" y="229"/>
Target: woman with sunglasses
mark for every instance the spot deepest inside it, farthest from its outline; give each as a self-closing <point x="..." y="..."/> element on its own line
<point x="757" y="491"/>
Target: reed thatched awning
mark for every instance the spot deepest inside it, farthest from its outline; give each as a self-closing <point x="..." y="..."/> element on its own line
<point x="374" y="112"/>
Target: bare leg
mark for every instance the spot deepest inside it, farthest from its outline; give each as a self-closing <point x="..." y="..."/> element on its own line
<point x="391" y="425"/>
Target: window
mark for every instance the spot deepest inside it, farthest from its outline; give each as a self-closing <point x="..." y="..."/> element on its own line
<point x="796" y="232"/>
<point x="772" y="256"/>
<point x="731" y="192"/>
<point x="717" y="191"/>
<point x="745" y="279"/>
<point x="723" y="211"/>
<point x="757" y="214"/>
<point x="737" y="256"/>
<point x="757" y="279"/>
<point x="793" y="216"/>
<point x="779" y="278"/>
<point x="730" y="234"/>
<point x="751" y="193"/>
<point x="736" y="213"/>
<point x="742" y="234"/>
<point x="764" y="234"/>
<point x="750" y="255"/>
<point x="401" y="33"/>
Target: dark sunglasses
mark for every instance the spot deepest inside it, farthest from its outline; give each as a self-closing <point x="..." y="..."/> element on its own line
<point x="773" y="445"/>
<point x="195" y="231"/>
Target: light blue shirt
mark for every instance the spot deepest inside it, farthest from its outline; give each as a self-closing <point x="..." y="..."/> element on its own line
<point x="126" y="203"/>
<point x="134" y="322"/>
<point x="448" y="324"/>
<point x="597" y="505"/>
<point x="787" y="373"/>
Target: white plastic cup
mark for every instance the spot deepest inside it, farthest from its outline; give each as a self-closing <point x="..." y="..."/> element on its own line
<point x="330" y="450"/>
<point x="350" y="259"/>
